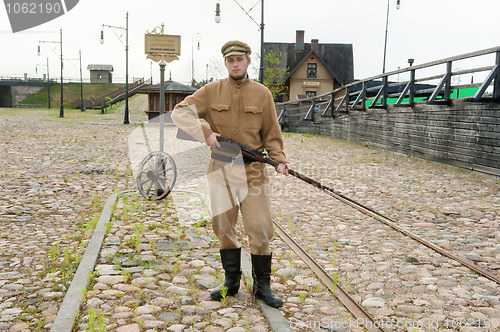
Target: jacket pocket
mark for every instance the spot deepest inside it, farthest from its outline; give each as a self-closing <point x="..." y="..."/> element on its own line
<point x="220" y="107"/>
<point x="253" y="109"/>
<point x="219" y="115"/>
<point x="252" y="117"/>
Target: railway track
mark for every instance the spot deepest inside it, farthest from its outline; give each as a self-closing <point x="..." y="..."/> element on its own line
<point x="357" y="310"/>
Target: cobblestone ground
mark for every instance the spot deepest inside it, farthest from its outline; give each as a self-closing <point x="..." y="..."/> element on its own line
<point x="159" y="259"/>
<point x="55" y="174"/>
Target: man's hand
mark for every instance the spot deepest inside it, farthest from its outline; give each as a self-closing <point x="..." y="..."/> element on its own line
<point x="212" y="140"/>
<point x="283" y="168"/>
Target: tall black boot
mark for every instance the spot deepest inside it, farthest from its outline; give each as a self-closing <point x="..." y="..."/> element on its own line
<point x="261" y="270"/>
<point x="231" y="262"/>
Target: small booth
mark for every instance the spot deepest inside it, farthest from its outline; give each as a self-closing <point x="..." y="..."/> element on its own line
<point x="174" y="93"/>
<point x="100" y="73"/>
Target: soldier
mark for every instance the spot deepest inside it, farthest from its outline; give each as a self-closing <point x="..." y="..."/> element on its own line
<point x="243" y="110"/>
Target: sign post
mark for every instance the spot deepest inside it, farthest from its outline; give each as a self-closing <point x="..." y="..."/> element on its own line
<point x="158" y="167"/>
<point x="162" y="48"/>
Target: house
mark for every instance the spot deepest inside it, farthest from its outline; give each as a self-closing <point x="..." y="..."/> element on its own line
<point x="314" y="68"/>
<point x="174" y="93"/>
<point x="100" y="73"/>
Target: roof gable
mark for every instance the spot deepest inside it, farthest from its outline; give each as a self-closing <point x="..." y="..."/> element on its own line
<point x="306" y="57"/>
<point x="337" y="58"/>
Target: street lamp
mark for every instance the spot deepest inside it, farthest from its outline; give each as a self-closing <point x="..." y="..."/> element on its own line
<point x="398" y="5"/>
<point x="198" y="39"/>
<point x="125" y="119"/>
<point x="217" y="13"/>
<point x="61" y="111"/>
<point x="261" y="27"/>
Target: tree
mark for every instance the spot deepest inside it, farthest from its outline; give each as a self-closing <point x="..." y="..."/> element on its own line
<point x="275" y="74"/>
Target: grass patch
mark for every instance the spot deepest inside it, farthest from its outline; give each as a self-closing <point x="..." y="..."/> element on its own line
<point x="71" y="93"/>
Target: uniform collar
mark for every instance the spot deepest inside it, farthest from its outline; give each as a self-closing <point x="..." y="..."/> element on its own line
<point x="240" y="82"/>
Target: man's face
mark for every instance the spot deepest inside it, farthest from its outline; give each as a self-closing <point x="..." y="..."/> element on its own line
<point x="237" y="66"/>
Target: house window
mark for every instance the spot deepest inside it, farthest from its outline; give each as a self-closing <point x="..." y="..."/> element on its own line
<point x="312" y="68"/>
<point x="310" y="94"/>
<point x="99" y="76"/>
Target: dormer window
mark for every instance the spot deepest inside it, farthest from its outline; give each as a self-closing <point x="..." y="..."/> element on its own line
<point x="312" y="69"/>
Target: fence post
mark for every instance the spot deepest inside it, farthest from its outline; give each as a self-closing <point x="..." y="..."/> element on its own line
<point x="333" y="104"/>
<point x="384" y="93"/>
<point x="447" y="87"/>
<point x="496" y="85"/>
<point x="412" y="88"/>
<point x="347" y="100"/>
<point x="363" y="97"/>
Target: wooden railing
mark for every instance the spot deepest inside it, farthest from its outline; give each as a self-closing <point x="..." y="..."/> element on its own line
<point x="379" y="91"/>
<point x="114" y="96"/>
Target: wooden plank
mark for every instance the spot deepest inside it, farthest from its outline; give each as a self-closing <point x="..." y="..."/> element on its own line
<point x="487" y="156"/>
<point x="486" y="169"/>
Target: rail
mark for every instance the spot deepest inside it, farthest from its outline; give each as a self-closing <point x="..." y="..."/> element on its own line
<point x="114" y="96"/>
<point x="379" y="91"/>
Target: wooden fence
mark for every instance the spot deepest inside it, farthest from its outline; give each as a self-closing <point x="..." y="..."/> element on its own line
<point x="443" y="122"/>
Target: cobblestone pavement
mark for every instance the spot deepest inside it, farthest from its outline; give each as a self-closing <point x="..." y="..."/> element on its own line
<point x="55" y="174"/>
<point x="159" y="259"/>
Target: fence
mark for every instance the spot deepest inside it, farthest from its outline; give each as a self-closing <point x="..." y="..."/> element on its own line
<point x="378" y="91"/>
<point x="456" y="124"/>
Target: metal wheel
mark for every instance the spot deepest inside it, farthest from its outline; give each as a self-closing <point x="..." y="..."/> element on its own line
<point x="156" y="175"/>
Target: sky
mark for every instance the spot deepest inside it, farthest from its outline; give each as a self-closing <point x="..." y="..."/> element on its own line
<point x="425" y="30"/>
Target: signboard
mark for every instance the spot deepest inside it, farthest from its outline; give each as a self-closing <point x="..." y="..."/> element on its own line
<point x="308" y="83"/>
<point x="160" y="44"/>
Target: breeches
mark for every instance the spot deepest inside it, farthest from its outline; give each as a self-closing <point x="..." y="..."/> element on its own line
<point x="255" y="207"/>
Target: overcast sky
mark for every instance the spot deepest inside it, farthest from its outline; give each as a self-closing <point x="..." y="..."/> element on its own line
<point x="425" y="30"/>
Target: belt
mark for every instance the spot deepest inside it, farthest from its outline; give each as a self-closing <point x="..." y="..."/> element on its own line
<point x="231" y="160"/>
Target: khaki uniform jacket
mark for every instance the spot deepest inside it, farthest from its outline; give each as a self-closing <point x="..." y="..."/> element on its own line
<point x="241" y="110"/>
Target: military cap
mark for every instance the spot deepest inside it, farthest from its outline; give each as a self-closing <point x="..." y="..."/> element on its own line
<point x="235" y="47"/>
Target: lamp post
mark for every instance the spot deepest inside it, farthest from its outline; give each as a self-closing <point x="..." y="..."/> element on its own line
<point x="48" y="82"/>
<point x="125" y="119"/>
<point x="198" y="39"/>
<point x="61" y="111"/>
<point x="398" y="5"/>
<point x="217" y="19"/>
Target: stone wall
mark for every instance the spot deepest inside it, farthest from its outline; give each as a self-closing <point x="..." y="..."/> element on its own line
<point x="463" y="134"/>
<point x="21" y="92"/>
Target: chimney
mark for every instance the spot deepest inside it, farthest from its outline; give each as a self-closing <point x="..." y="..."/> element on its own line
<point x="299" y="40"/>
<point x="315" y="45"/>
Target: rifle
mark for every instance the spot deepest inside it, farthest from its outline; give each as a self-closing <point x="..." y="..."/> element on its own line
<point x="264" y="158"/>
